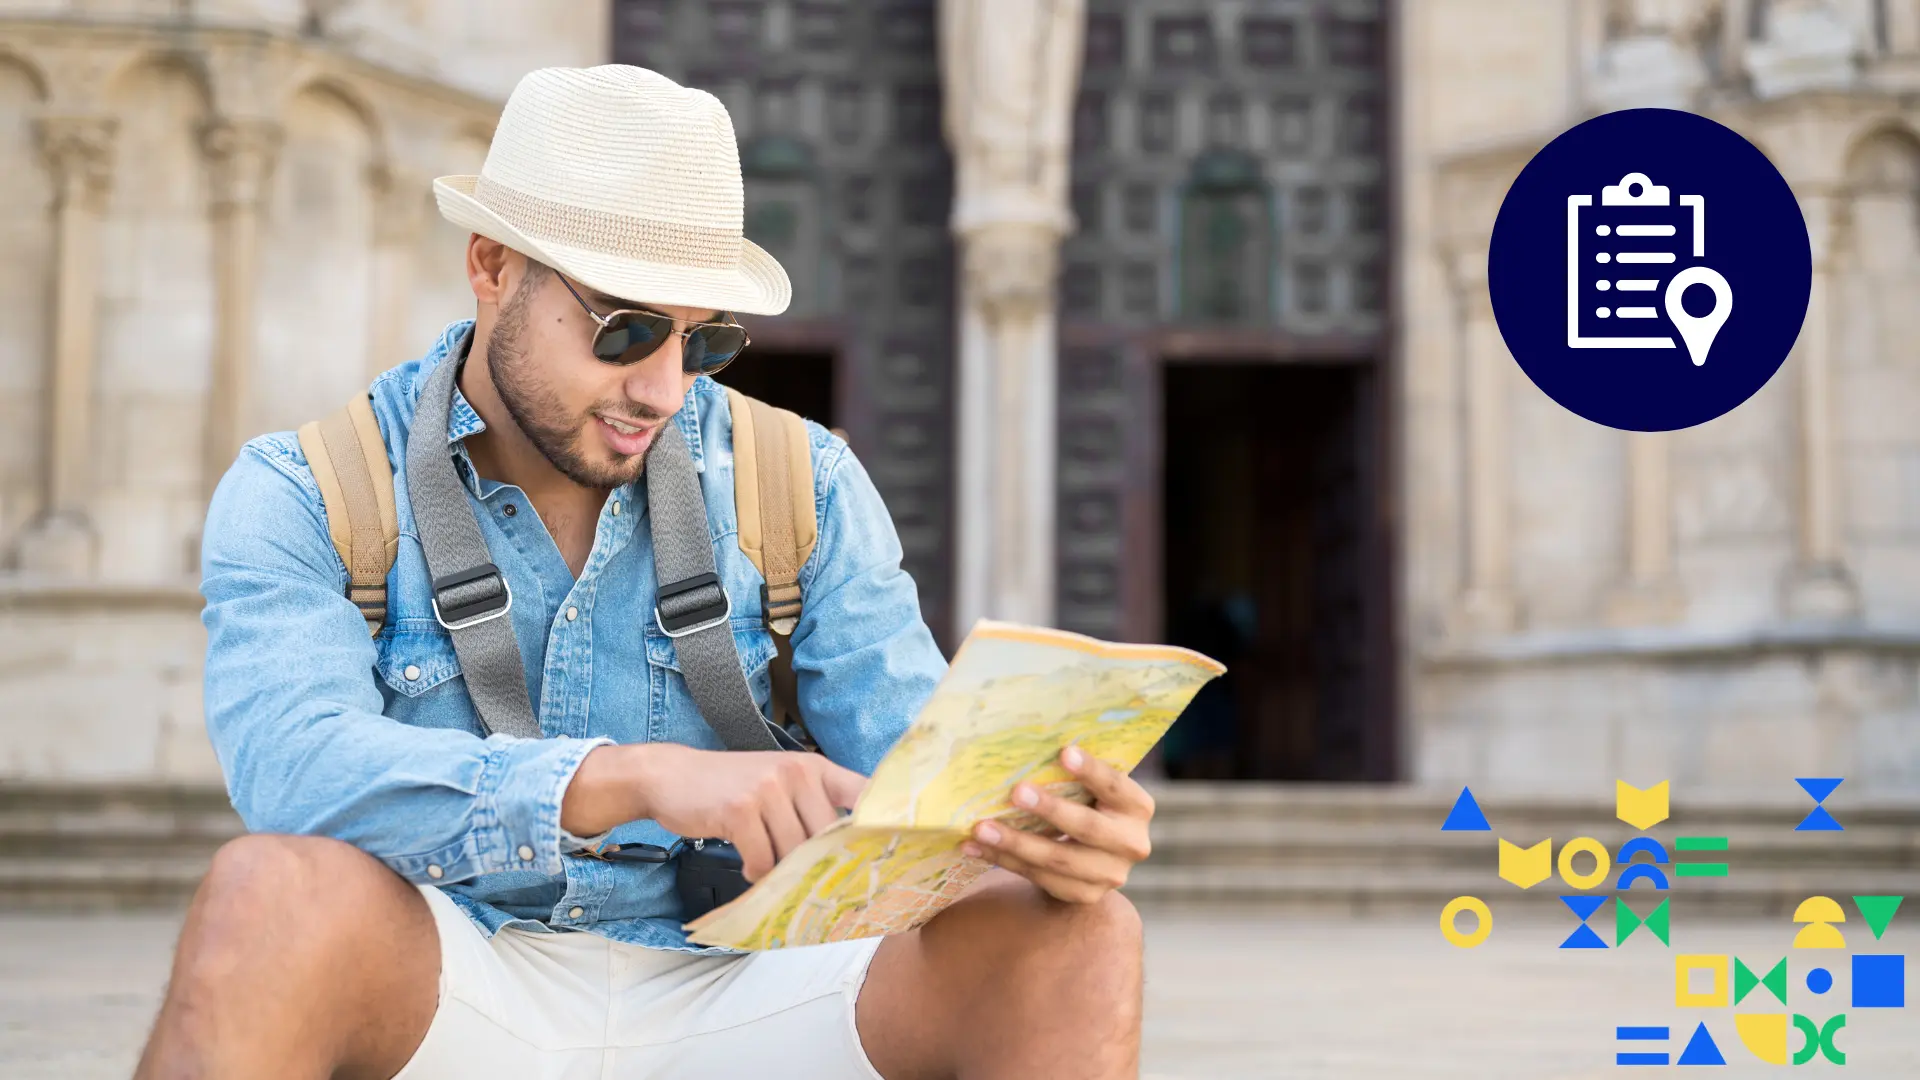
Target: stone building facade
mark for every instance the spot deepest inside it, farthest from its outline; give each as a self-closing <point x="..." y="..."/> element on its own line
<point x="1170" y="322"/>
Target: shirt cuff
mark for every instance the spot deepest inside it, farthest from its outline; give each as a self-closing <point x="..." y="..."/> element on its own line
<point x="522" y="785"/>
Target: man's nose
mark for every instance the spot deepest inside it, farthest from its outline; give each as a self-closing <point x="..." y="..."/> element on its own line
<point x="657" y="380"/>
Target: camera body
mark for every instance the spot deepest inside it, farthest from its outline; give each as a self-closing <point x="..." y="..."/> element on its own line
<point x="708" y="875"/>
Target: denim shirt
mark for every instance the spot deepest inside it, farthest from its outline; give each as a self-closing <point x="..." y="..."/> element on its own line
<point x="322" y="730"/>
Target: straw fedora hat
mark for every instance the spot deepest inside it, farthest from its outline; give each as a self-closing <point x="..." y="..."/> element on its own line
<point x="621" y="178"/>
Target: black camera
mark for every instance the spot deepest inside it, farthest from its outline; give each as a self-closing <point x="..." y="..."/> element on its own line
<point x="707" y="872"/>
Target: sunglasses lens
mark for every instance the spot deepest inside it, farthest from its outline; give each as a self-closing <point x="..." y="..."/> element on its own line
<point x="631" y="336"/>
<point x="710" y="348"/>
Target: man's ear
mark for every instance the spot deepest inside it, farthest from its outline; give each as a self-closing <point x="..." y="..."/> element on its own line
<point x="487" y="269"/>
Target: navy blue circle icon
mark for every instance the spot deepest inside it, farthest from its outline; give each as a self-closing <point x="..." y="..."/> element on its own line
<point x="1650" y="269"/>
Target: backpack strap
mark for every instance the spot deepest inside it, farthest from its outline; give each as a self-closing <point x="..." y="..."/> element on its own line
<point x="773" y="501"/>
<point x="349" y="463"/>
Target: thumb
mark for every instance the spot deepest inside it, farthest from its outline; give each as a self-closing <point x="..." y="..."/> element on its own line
<point x="843" y="784"/>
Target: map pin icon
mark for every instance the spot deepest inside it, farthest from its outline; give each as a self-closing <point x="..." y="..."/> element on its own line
<point x="1699" y="331"/>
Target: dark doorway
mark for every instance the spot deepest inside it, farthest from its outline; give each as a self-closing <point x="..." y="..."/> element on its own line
<point x="1269" y="500"/>
<point x="801" y="381"/>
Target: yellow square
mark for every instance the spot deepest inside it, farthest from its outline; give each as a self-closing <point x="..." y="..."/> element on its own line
<point x="1684" y="965"/>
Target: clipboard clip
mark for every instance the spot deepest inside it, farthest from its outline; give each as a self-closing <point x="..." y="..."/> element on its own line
<point x="1634" y="189"/>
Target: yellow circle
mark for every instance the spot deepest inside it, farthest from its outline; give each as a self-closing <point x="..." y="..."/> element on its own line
<point x="1602" y="862"/>
<point x="1451" y="914"/>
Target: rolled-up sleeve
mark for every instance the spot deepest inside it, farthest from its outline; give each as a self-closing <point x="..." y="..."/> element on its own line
<point x="863" y="657"/>
<point x="294" y="712"/>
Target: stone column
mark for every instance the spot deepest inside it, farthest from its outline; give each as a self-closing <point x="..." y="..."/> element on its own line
<point x="240" y="154"/>
<point x="1819" y="585"/>
<point x="1486" y="604"/>
<point x="1651" y="592"/>
<point x="399" y="215"/>
<point x="1009" y="69"/>
<point x="80" y="151"/>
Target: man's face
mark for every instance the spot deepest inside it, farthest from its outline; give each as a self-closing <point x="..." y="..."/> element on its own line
<point x="594" y="421"/>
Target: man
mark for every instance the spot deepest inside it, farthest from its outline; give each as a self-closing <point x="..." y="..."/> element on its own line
<point x="410" y="902"/>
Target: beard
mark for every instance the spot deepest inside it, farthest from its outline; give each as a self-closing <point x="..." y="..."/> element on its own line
<point x="540" y="414"/>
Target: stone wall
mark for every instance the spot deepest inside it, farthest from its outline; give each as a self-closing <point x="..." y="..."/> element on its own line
<point x="218" y="222"/>
<point x="1728" y="606"/>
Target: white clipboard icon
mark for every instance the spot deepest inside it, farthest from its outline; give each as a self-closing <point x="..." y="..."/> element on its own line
<point x="1634" y="189"/>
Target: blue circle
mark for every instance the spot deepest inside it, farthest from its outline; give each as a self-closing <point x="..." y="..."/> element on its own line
<point x="1751" y="234"/>
<point x="1819" y="980"/>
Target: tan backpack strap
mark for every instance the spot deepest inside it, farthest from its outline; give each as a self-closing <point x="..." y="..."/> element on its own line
<point x="349" y="463"/>
<point x="773" y="501"/>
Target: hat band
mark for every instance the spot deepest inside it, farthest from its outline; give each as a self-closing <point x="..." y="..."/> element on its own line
<point x="624" y="235"/>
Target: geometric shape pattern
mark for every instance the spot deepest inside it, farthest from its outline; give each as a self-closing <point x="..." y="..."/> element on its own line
<point x="1877" y="911"/>
<point x="1642" y="845"/>
<point x="1642" y="809"/>
<point x="1584" y="937"/>
<point x="1684" y="965"/>
<point x="1450" y="914"/>
<point x="1602" y="862"/>
<point x="1526" y="867"/>
<point x="1639" y="872"/>
<point x="1626" y="920"/>
<point x="1764" y="1035"/>
<point x="1744" y="980"/>
<point x="1820" y="980"/>
<point x="1641" y="1034"/>
<point x="1820" y="1039"/>
<point x="1817" y="912"/>
<point x="1701" y="1049"/>
<point x="1879" y="981"/>
<point x="1700" y="843"/>
<point x="1466" y="815"/>
<point x="1819" y="820"/>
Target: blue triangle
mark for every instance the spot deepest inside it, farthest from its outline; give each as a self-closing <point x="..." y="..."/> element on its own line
<point x="1820" y="821"/>
<point x="1701" y="1050"/>
<point x="1466" y="815"/>
<point x="1584" y="938"/>
<point x="1584" y="906"/>
<point x="1819" y="788"/>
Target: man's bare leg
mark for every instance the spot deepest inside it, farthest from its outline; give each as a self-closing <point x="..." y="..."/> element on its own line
<point x="1008" y="982"/>
<point x="301" y="957"/>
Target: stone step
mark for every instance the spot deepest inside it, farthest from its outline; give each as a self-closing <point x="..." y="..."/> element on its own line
<point x="133" y="882"/>
<point x="1364" y="891"/>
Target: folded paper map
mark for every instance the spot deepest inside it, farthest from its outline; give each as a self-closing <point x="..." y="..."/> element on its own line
<point x="1013" y="699"/>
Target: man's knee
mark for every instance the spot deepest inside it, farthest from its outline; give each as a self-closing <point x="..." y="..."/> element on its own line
<point x="272" y="881"/>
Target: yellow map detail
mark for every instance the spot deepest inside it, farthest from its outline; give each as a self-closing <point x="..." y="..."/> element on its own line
<point x="1013" y="699"/>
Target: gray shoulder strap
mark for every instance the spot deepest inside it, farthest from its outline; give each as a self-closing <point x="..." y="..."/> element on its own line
<point x="470" y="595"/>
<point x="693" y="606"/>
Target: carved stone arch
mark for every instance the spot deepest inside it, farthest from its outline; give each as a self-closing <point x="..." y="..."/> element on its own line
<point x="30" y="71"/>
<point x="354" y="101"/>
<point x="1881" y="183"/>
<point x="1884" y="157"/>
<point x="135" y="64"/>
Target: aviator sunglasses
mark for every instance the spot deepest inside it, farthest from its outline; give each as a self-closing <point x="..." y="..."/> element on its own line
<point x="630" y="335"/>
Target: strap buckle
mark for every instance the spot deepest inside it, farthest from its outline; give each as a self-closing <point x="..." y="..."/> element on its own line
<point x="478" y="610"/>
<point x="708" y="615"/>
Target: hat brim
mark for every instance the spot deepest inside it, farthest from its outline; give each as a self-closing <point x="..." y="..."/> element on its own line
<point x="758" y="286"/>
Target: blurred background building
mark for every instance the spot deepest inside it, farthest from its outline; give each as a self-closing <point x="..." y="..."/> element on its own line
<point x="1154" y="319"/>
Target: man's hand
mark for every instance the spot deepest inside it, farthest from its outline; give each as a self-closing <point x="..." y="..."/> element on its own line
<point x="765" y="803"/>
<point x="1102" y="842"/>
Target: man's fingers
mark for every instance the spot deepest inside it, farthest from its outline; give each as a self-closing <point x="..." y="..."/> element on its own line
<point x="1113" y="789"/>
<point x="1066" y="858"/>
<point x="843" y="784"/>
<point x="815" y="808"/>
<point x="783" y="825"/>
<point x="1060" y="886"/>
<point x="1123" y="836"/>
<point x="756" y="848"/>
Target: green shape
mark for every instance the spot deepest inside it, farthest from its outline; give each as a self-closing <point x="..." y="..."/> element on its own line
<point x="1699" y="843"/>
<point x="1700" y="869"/>
<point x="1744" y="980"/>
<point x="1820" y="1039"/>
<point x="1878" y="911"/>
<point x="1626" y="921"/>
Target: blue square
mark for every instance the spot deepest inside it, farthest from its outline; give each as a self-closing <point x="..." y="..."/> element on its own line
<point x="1879" y="981"/>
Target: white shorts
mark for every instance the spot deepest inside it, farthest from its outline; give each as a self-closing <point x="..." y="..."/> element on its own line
<point x="579" y="1006"/>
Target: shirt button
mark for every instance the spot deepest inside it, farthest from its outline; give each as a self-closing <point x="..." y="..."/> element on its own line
<point x="509" y="509"/>
<point x="616" y="508"/>
<point x="574" y="913"/>
<point x="435" y="872"/>
<point x="526" y="853"/>
<point x="573" y="613"/>
<point x="412" y="672"/>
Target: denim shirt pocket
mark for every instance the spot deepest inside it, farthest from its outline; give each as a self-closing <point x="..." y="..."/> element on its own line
<point x="673" y="716"/>
<point x="414" y="661"/>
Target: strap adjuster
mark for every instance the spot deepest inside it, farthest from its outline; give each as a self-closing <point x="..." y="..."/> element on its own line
<point x="706" y="616"/>
<point x="477" y="610"/>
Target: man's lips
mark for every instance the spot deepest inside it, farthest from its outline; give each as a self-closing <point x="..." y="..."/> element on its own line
<point x="625" y="443"/>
